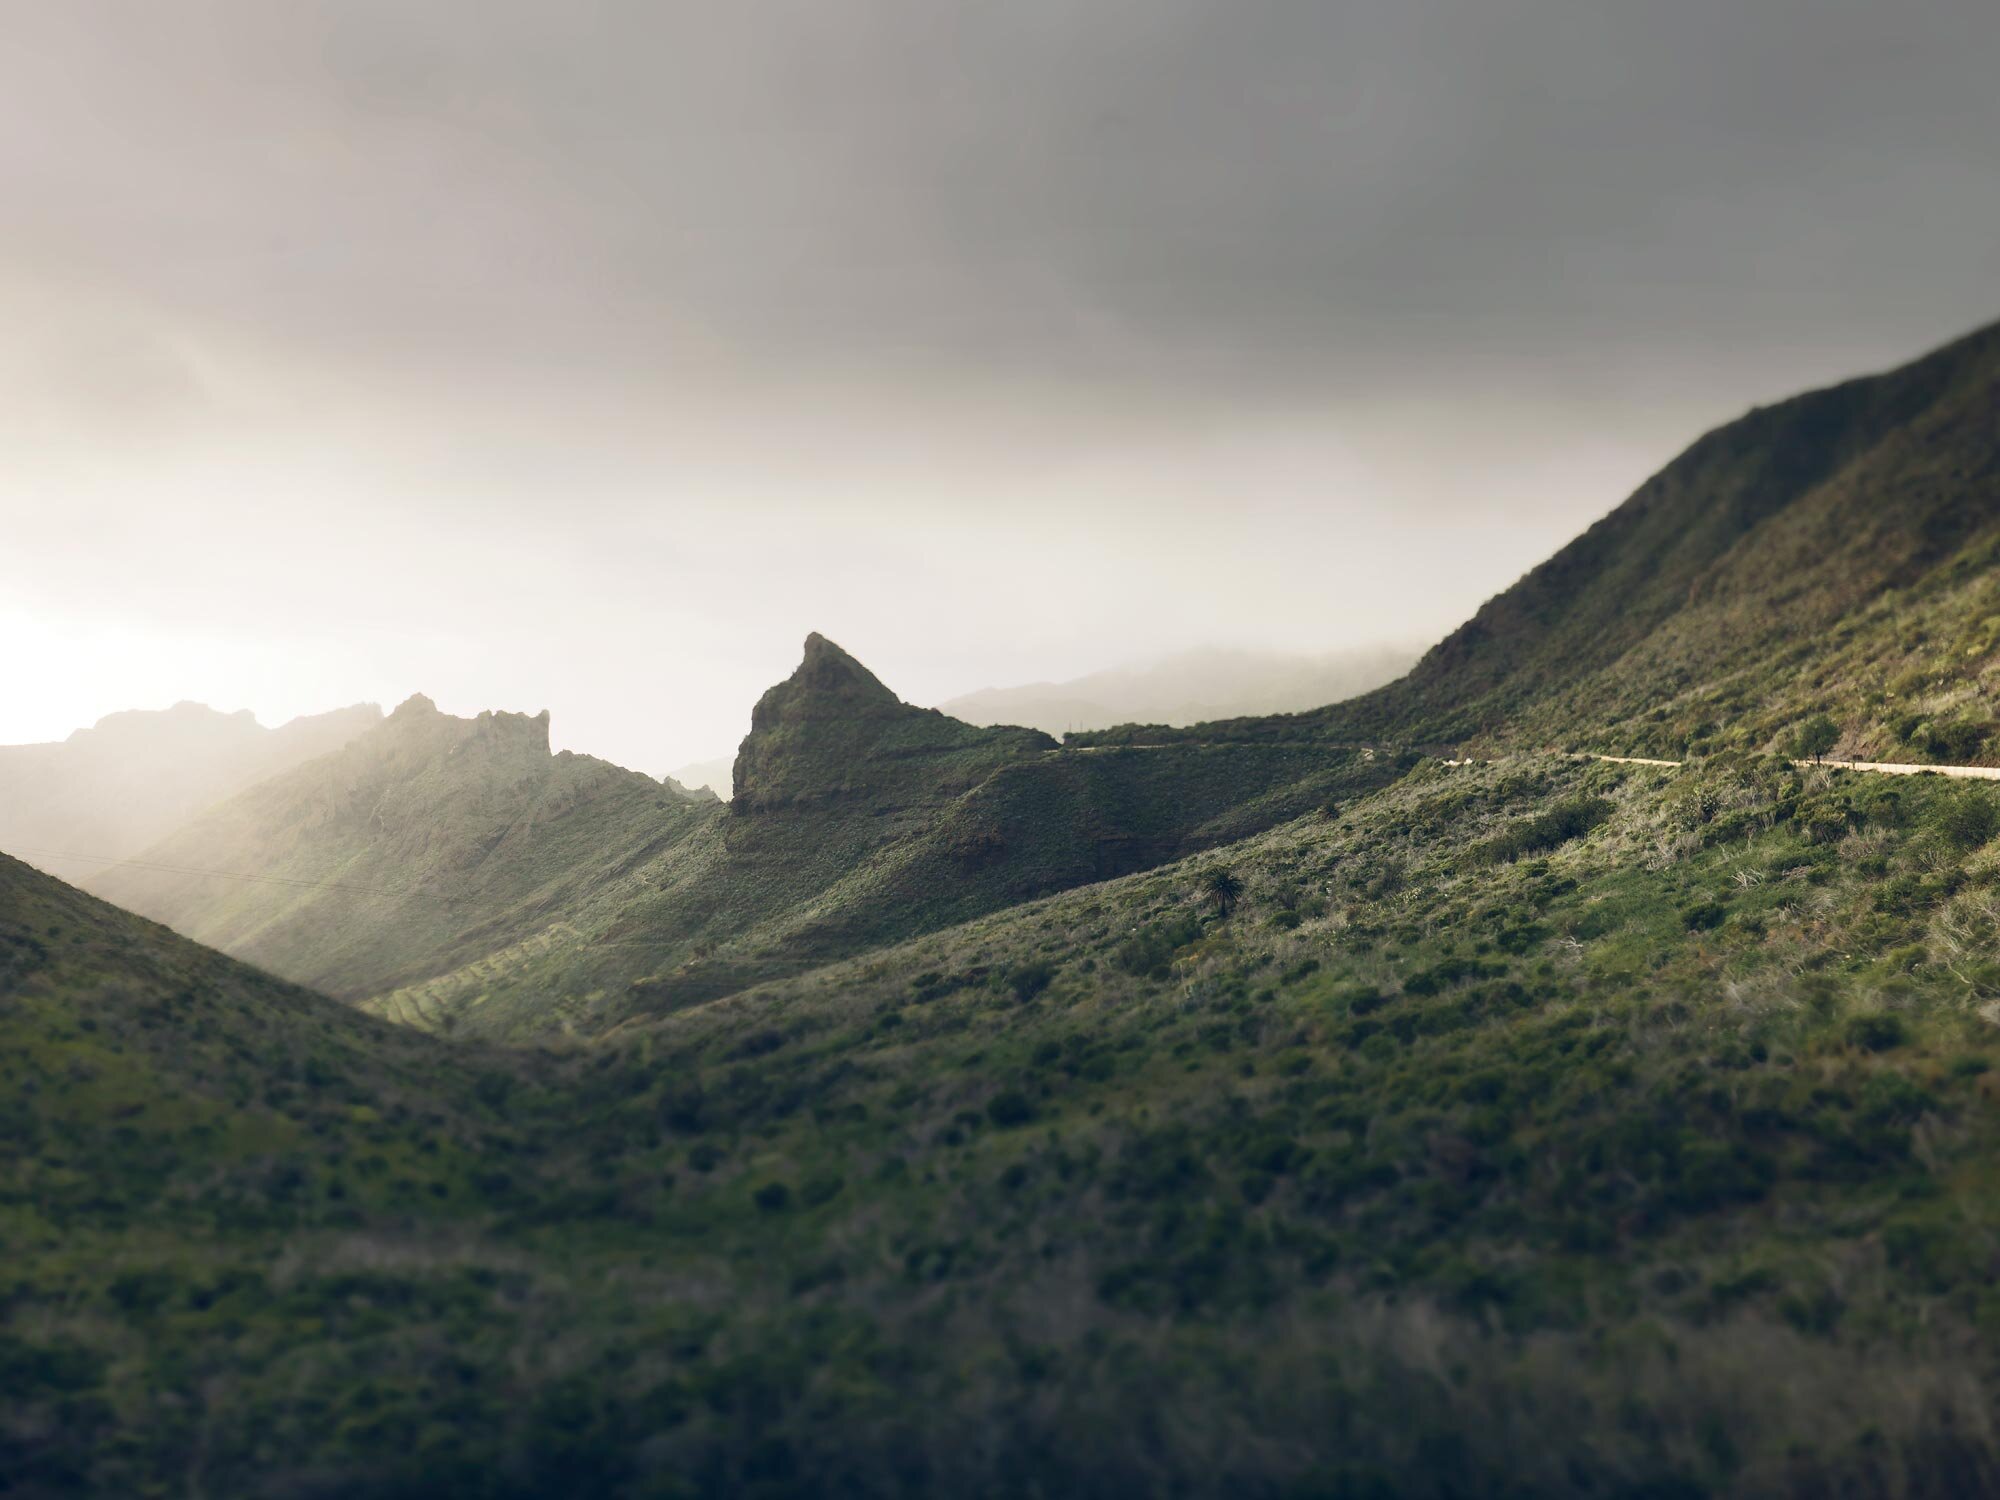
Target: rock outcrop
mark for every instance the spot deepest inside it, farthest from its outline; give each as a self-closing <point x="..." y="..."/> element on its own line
<point x="833" y="731"/>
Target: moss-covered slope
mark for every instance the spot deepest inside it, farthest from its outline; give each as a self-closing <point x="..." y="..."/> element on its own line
<point x="1539" y="1128"/>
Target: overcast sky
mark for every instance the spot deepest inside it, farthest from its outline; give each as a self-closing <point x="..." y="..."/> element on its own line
<point x="586" y="356"/>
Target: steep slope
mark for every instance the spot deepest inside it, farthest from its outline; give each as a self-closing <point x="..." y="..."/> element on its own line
<point x="1536" y="1128"/>
<point x="419" y="848"/>
<point x="858" y="820"/>
<point x="121" y="1040"/>
<point x="107" y="792"/>
<point x="1529" y="1119"/>
<point x="1838" y="552"/>
<point x="1188" y="688"/>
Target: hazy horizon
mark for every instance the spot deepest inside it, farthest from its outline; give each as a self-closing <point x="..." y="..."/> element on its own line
<point x="587" y="359"/>
<point x="1209" y="659"/>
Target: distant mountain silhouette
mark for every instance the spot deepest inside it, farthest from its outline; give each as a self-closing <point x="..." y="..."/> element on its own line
<point x="424" y="844"/>
<point x="714" y="775"/>
<point x="118" y="786"/>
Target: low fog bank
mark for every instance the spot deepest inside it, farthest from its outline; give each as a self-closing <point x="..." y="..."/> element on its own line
<point x="1190" y="687"/>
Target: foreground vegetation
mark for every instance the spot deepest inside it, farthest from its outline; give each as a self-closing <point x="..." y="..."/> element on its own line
<point x="1537" y="1127"/>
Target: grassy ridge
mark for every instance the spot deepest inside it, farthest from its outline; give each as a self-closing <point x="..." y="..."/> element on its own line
<point x="1834" y="553"/>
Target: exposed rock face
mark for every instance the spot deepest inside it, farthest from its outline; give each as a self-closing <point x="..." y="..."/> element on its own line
<point x="701" y="795"/>
<point x="833" y="730"/>
<point x="829" y="684"/>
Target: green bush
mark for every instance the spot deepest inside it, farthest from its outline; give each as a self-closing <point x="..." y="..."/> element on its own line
<point x="1967" y="817"/>
<point x="1950" y="741"/>
<point x="1029" y="980"/>
<point x="1877" y="1031"/>
<point x="1565" y="821"/>
<point x="1149" y="952"/>
<point x="1704" y="916"/>
<point x="1010" y="1108"/>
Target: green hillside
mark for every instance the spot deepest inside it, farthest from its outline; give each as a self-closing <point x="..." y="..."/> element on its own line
<point x="423" y="845"/>
<point x="859" y="820"/>
<point x="1838" y="552"/>
<point x="1537" y="1128"/>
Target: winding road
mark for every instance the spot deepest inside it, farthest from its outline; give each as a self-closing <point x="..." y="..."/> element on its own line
<point x="1883" y="767"/>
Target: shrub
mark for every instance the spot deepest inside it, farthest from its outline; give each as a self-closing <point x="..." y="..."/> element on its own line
<point x="1877" y="1031"/>
<point x="1951" y="741"/>
<point x="1968" y="818"/>
<point x="1148" y="953"/>
<point x="1221" y="889"/>
<point x="1361" y="999"/>
<point x="1567" y="820"/>
<point x="1029" y="980"/>
<point x="1010" y="1108"/>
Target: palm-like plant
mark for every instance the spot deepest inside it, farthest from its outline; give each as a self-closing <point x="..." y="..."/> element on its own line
<point x="1221" y="889"/>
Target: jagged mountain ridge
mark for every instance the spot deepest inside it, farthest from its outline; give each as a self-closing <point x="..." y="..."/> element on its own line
<point x="833" y="730"/>
<point x="1835" y="551"/>
<point x="857" y="820"/>
<point x="416" y="848"/>
<point x="108" y="791"/>
<point x="453" y="872"/>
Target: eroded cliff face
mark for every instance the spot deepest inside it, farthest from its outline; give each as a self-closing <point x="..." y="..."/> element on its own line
<point x="833" y="731"/>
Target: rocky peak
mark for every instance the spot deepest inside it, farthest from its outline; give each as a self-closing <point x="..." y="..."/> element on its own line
<point x="833" y="730"/>
<point x="530" y="731"/>
<point x="828" y="684"/>
<point x="416" y="706"/>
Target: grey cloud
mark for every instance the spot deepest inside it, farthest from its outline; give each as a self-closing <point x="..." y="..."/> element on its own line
<point x="1186" y="193"/>
<point x="616" y="343"/>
